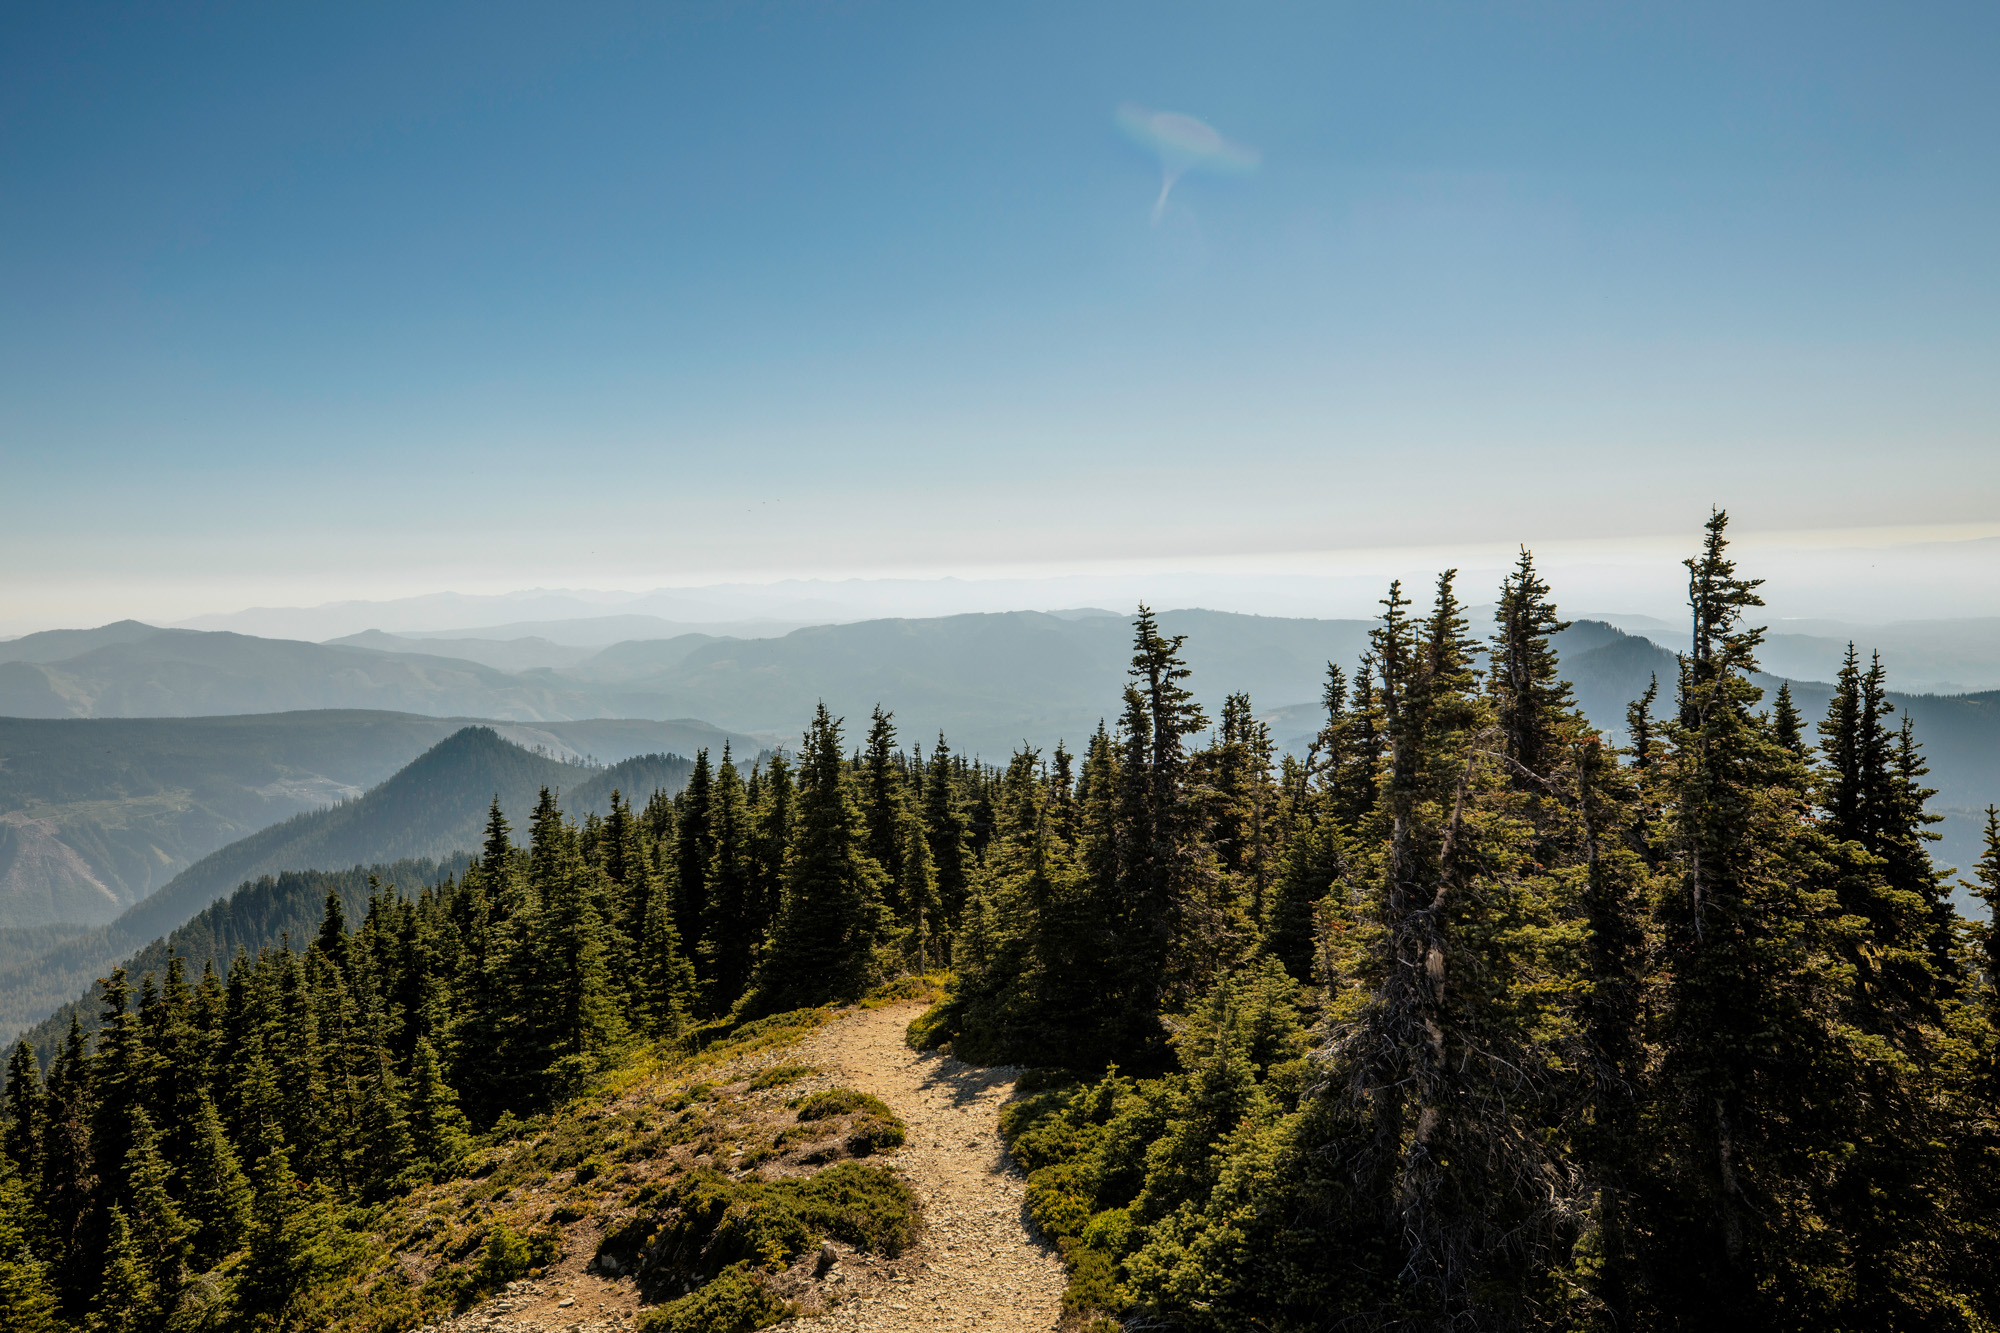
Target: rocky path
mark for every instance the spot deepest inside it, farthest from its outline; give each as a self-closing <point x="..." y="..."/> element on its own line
<point x="977" y="1264"/>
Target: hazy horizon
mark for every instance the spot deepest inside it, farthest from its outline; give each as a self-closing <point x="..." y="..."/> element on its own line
<point x="309" y="305"/>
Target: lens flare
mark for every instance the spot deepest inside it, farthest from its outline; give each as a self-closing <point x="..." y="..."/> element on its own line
<point x="1183" y="144"/>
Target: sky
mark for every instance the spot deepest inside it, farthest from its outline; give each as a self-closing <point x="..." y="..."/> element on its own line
<point x="305" y="303"/>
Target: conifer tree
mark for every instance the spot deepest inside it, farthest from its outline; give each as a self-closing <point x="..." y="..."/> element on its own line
<point x="694" y="849"/>
<point x="832" y="919"/>
<point x="23" y="1111"/>
<point x="1986" y="887"/>
<point x="1170" y="938"/>
<point x="295" y="1240"/>
<point x="731" y="928"/>
<point x="772" y="834"/>
<point x="944" y="825"/>
<point x="1744" y="1010"/>
<point x="157" y="1229"/>
<point x="67" y="1192"/>
<point x="670" y="990"/>
<point x="127" y="1301"/>
<point x="1787" y="727"/>
<point x="918" y="892"/>
<point x="217" y="1196"/>
<point x="27" y="1297"/>
<point x="882" y="806"/>
<point x="438" y="1135"/>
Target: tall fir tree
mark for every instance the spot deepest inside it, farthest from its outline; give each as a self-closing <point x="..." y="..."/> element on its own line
<point x="832" y="919"/>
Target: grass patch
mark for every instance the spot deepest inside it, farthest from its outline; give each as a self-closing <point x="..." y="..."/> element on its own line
<point x="874" y="1128"/>
<point x="735" y="1301"/>
<point x="779" y="1075"/>
<point x="705" y="1227"/>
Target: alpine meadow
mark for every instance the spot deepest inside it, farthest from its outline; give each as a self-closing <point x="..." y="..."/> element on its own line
<point x="1463" y="1018"/>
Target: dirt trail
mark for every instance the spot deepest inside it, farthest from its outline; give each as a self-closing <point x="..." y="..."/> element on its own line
<point x="977" y="1264"/>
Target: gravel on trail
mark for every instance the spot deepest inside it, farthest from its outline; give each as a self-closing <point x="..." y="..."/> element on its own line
<point x="978" y="1263"/>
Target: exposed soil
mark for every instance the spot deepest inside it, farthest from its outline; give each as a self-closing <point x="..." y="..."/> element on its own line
<point x="977" y="1262"/>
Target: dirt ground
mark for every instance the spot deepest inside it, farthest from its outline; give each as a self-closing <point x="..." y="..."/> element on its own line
<point x="976" y="1265"/>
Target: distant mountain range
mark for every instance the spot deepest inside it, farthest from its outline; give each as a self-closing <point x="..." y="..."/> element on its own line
<point x="990" y="682"/>
<point x="427" y="811"/>
<point x="97" y="814"/>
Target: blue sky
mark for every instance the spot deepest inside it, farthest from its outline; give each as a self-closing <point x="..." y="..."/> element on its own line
<point x="299" y="302"/>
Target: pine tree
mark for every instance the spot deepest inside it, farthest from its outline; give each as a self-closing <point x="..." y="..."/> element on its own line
<point x="694" y="849"/>
<point x="1170" y="938"/>
<point x="668" y="977"/>
<point x="918" y="891"/>
<point x="217" y="1194"/>
<point x="295" y="1240"/>
<point x="731" y="928"/>
<point x="27" y="1297"/>
<point x="23" y="1111"/>
<point x="1985" y="886"/>
<point x="771" y="819"/>
<point x="882" y="806"/>
<point x="157" y="1229"/>
<point x="1748" y="1061"/>
<point x="127" y="1300"/>
<point x="437" y="1130"/>
<point x="944" y="825"/>
<point x="67" y="1192"/>
<point x="582" y="1024"/>
<point x="832" y="920"/>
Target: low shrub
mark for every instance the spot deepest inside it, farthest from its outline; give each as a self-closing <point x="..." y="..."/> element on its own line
<point x="734" y="1301"/>
<point x="779" y="1075"/>
<point x="840" y="1101"/>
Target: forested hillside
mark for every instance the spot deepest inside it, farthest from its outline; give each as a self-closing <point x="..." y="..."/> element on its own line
<point x="98" y="813"/>
<point x="433" y="807"/>
<point x="1465" y="1018"/>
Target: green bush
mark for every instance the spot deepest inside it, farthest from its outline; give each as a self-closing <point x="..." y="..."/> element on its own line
<point x="871" y="1134"/>
<point x="935" y="1026"/>
<point x="840" y="1101"/>
<point x="869" y="1207"/>
<point x="707" y="1223"/>
<point x="733" y="1302"/>
<point x="779" y="1075"/>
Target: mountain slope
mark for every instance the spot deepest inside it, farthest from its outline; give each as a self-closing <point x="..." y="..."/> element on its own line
<point x="432" y="808"/>
<point x="96" y="814"/>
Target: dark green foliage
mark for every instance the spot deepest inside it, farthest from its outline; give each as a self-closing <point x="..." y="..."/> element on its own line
<point x="707" y="1224"/>
<point x="832" y="918"/>
<point x="1464" y="1019"/>
<point x="733" y="1302"/>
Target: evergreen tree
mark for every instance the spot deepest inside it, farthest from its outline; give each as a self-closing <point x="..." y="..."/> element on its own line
<point x="127" y="1300"/>
<point x="918" y="891"/>
<point x="295" y="1240"/>
<point x="1748" y="1063"/>
<point x="1170" y="938"/>
<point x="832" y="919"/>
<point x="944" y="826"/>
<point x="669" y="978"/>
<point x="731" y="925"/>
<point x="1986" y="887"/>
<point x="23" y="1111"/>
<point x="67" y="1193"/>
<point x="27" y="1297"/>
<point x="882" y="807"/>
<point x="217" y="1194"/>
<point x="158" y="1232"/>
<point x="437" y="1130"/>
<point x="694" y="849"/>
